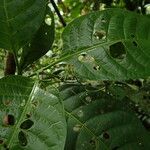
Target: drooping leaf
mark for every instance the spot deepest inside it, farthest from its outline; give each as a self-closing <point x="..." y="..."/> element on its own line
<point x="97" y="121"/>
<point x="30" y="118"/>
<point x="109" y="45"/>
<point x="19" y="20"/>
<point x="41" y="42"/>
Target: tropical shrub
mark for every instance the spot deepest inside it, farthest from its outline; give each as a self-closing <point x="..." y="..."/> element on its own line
<point x="100" y="102"/>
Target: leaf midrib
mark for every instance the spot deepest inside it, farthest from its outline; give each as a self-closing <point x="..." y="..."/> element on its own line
<point x="68" y="56"/>
<point x="7" y="18"/>
<point x="16" y="127"/>
<point x="85" y="127"/>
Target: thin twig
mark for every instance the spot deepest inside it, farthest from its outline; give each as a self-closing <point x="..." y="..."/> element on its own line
<point x="58" y="13"/>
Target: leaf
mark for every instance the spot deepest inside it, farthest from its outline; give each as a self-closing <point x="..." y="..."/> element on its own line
<point x="19" y="21"/>
<point x="41" y="42"/>
<point x="109" y="45"/>
<point x="30" y="118"/>
<point x="97" y="121"/>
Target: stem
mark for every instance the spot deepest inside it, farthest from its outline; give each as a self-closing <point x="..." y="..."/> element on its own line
<point x="19" y="72"/>
<point x="10" y="64"/>
<point x="49" y="66"/>
<point x="58" y="13"/>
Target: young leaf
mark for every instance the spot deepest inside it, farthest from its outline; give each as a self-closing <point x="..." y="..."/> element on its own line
<point x="109" y="45"/>
<point x="19" y="20"/>
<point x="41" y="42"/>
<point x="30" y="118"/>
<point x="97" y="121"/>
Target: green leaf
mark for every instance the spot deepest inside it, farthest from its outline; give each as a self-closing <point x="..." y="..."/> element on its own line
<point x="30" y="118"/>
<point x="109" y="45"/>
<point x="41" y="42"/>
<point x="19" y="21"/>
<point x="97" y="121"/>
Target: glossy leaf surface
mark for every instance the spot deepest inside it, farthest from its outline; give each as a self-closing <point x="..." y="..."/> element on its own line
<point x="41" y="42"/>
<point x="19" y="20"/>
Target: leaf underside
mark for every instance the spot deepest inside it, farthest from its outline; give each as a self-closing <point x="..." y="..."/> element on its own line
<point x="29" y="117"/>
<point x="97" y="121"/>
<point x="109" y="45"/>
